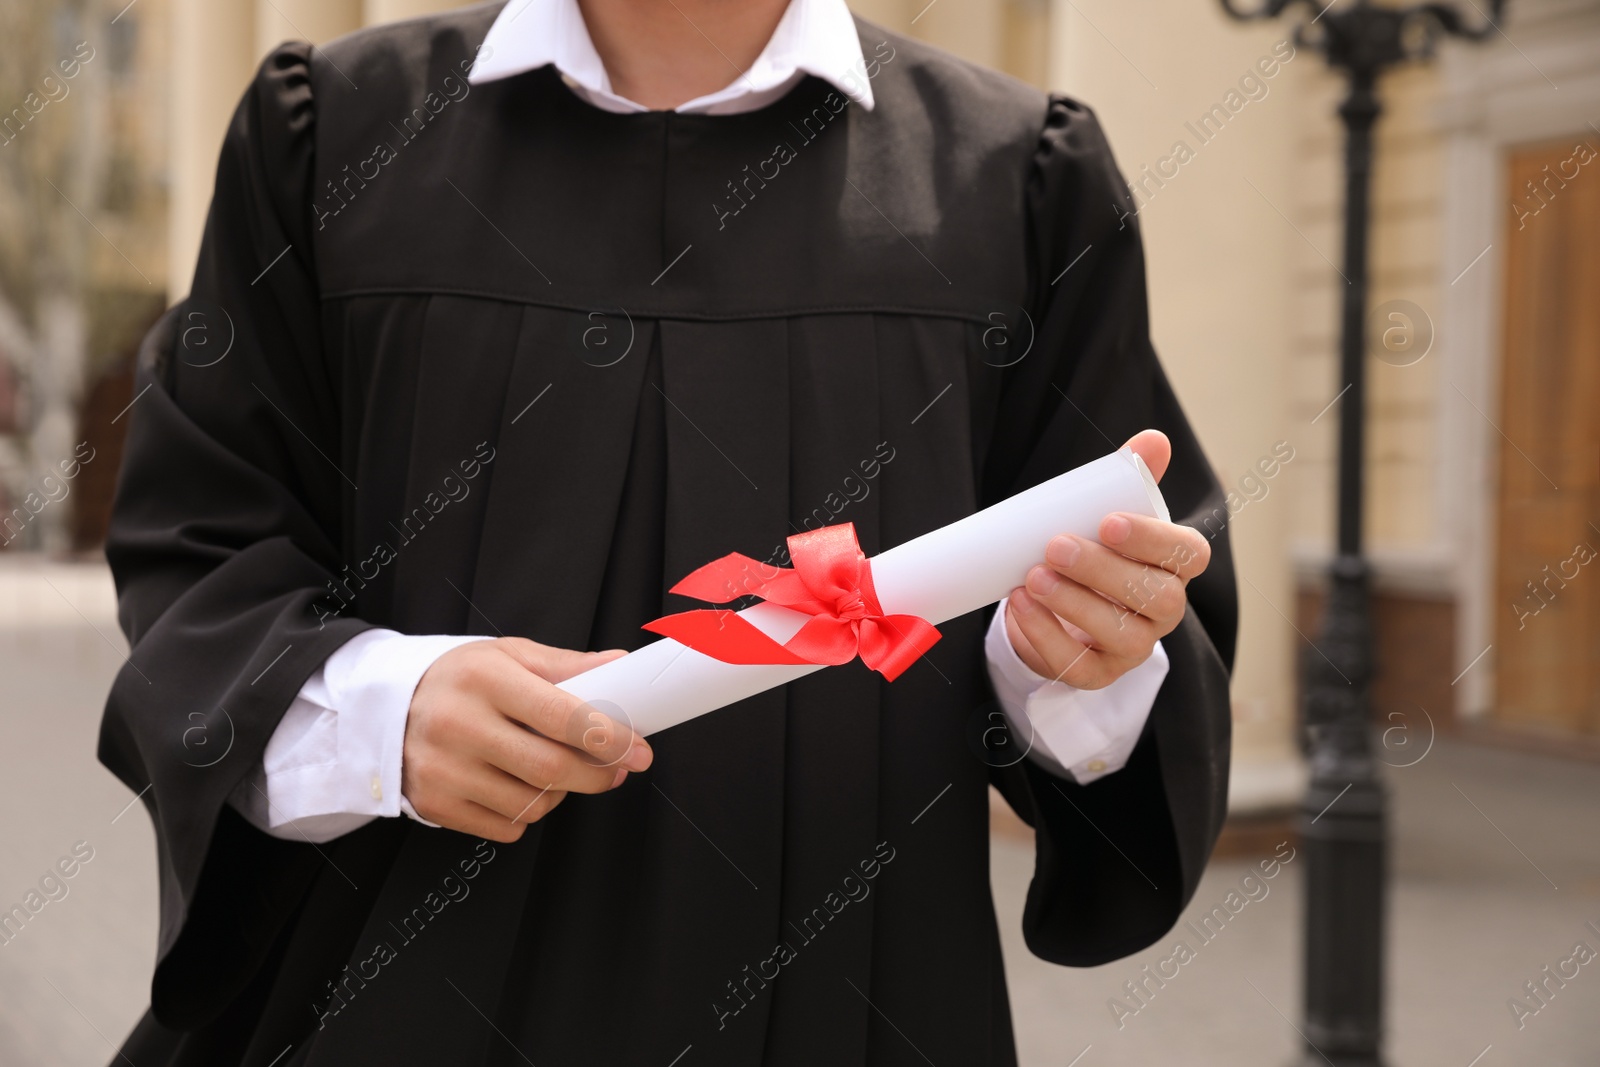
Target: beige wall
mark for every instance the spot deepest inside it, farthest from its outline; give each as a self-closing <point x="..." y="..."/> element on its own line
<point x="317" y="21"/>
<point x="1408" y="178"/>
<point x="1009" y="35"/>
<point x="1221" y="301"/>
<point x="213" y="45"/>
<point x="375" y="11"/>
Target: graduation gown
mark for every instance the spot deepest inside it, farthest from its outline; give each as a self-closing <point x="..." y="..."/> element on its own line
<point x="493" y="361"/>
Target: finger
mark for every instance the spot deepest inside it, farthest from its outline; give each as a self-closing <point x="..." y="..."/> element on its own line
<point x="466" y="817"/>
<point x="1153" y="447"/>
<point x="607" y="741"/>
<point x="1029" y="655"/>
<point x="513" y="798"/>
<point x="1112" y="627"/>
<point x="1176" y="549"/>
<point x="555" y="664"/>
<point x="1068" y="659"/>
<point x="541" y="762"/>
<point x="529" y="699"/>
<point x="490" y="787"/>
<point x="1150" y="591"/>
<point x="1024" y="648"/>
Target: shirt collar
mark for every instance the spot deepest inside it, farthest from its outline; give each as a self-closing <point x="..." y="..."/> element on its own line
<point x="813" y="37"/>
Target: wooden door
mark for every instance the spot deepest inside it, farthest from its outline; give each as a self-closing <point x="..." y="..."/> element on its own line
<point x="1547" y="586"/>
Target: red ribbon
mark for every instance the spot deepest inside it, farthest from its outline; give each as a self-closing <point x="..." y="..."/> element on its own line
<point x="831" y="581"/>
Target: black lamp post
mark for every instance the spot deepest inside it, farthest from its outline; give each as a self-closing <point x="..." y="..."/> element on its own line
<point x="1342" y="821"/>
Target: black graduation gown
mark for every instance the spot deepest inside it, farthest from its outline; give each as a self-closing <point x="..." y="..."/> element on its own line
<point x="504" y="363"/>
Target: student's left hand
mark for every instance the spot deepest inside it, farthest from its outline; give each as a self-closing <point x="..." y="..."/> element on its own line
<point x="1094" y="611"/>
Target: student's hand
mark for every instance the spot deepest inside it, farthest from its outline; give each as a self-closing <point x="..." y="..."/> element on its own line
<point x="1092" y="612"/>
<point x="492" y="745"/>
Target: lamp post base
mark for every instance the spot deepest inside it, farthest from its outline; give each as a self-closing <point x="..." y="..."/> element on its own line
<point x="1343" y="829"/>
<point x="1312" y="1058"/>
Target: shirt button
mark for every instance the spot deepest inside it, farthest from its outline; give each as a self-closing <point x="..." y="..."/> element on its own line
<point x="377" y="788"/>
<point x="1095" y="767"/>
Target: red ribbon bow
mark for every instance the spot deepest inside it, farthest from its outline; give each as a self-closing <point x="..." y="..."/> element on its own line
<point x="831" y="581"/>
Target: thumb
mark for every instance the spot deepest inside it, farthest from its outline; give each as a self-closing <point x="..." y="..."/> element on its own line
<point x="1153" y="447"/>
<point x="555" y="664"/>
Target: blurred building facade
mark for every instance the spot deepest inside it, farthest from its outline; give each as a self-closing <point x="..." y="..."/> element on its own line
<point x="1482" y="452"/>
<point x="1483" y="455"/>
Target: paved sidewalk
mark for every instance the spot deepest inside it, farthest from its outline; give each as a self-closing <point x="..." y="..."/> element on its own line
<point x="74" y="980"/>
<point x="1473" y="917"/>
<point x="1475" y="913"/>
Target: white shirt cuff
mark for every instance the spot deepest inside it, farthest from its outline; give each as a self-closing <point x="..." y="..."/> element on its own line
<point x="333" y="764"/>
<point x="1084" y="734"/>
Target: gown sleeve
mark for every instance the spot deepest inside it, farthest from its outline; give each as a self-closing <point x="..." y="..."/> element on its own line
<point x="224" y="533"/>
<point x="1118" y="859"/>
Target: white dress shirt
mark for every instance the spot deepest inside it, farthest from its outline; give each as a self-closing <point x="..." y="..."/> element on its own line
<point x="334" y="762"/>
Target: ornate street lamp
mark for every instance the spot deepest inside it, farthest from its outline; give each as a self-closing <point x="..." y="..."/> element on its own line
<point x="1342" y="821"/>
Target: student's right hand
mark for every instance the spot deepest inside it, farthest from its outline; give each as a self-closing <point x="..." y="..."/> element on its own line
<point x="492" y="745"/>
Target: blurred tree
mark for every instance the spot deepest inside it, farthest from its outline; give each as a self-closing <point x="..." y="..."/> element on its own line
<point x="75" y="201"/>
<point x="46" y="160"/>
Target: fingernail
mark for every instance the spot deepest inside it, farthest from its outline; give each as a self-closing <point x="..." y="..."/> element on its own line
<point x="621" y="774"/>
<point x="1042" y="581"/>
<point x="1115" y="529"/>
<point x="1062" y="551"/>
<point x="638" y="757"/>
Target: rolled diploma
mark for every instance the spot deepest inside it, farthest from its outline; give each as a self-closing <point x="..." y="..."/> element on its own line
<point x="970" y="564"/>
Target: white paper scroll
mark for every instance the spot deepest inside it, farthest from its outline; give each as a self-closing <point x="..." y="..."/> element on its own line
<point x="962" y="567"/>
